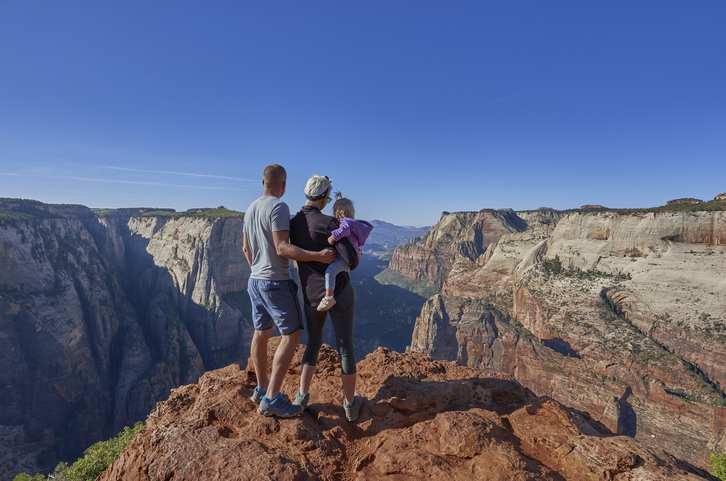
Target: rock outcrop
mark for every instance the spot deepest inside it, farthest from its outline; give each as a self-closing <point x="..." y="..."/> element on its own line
<point x="685" y="200"/>
<point x="619" y="315"/>
<point x="101" y="317"/>
<point x="422" y="419"/>
<point x="428" y="259"/>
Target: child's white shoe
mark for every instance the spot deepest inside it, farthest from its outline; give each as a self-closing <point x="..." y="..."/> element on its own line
<point x="326" y="303"/>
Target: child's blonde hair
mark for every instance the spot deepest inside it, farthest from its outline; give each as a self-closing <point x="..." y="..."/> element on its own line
<point x="343" y="207"/>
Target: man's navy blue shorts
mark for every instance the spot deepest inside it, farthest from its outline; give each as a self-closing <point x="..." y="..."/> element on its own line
<point x="275" y="301"/>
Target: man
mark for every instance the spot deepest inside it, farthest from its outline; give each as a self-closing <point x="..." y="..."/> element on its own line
<point x="266" y="244"/>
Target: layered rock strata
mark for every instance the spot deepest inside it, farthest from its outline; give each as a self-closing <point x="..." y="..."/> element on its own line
<point x="101" y="317"/>
<point x="619" y="315"/>
<point x="421" y="419"/>
<point x="429" y="259"/>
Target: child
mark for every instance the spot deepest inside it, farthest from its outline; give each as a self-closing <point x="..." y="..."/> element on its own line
<point x="356" y="231"/>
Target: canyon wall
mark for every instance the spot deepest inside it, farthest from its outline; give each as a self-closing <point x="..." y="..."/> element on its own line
<point x="100" y="317"/>
<point x="427" y="260"/>
<point x="622" y="315"/>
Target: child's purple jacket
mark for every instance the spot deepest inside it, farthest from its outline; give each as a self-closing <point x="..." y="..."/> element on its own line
<point x="355" y="230"/>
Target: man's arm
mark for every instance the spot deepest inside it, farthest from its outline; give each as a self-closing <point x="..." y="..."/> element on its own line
<point x="281" y="238"/>
<point x="246" y="248"/>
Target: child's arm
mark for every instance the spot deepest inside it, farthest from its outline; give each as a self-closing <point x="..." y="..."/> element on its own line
<point x="331" y="240"/>
<point x="340" y="233"/>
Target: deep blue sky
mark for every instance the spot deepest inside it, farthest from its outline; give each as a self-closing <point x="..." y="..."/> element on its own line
<point x="411" y="107"/>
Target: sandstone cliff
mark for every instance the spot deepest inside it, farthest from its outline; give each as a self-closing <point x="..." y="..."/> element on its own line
<point x="423" y="419"/>
<point x="101" y="317"/>
<point x="428" y="260"/>
<point x="618" y="314"/>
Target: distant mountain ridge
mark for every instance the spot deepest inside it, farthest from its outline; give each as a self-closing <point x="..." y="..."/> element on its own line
<point x="386" y="236"/>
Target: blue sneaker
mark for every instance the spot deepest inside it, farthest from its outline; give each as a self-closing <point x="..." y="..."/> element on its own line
<point x="257" y="395"/>
<point x="279" y="406"/>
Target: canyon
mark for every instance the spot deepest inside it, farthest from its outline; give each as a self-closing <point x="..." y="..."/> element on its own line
<point x="104" y="312"/>
<point x="621" y="314"/>
<point x="611" y="321"/>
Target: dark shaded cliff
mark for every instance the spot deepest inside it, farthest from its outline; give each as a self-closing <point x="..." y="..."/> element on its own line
<point x="101" y="317"/>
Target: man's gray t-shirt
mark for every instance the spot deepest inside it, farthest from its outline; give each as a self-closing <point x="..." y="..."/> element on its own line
<point x="266" y="215"/>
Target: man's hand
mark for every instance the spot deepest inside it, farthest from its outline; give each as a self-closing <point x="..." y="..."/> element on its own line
<point x="328" y="255"/>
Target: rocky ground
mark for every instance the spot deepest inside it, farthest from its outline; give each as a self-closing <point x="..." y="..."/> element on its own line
<point x="422" y="419"/>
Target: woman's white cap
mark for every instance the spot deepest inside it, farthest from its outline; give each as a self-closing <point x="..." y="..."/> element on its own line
<point x="318" y="187"/>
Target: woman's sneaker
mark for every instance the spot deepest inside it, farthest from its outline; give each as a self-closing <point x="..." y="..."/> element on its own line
<point x="352" y="411"/>
<point x="301" y="400"/>
<point x="326" y="303"/>
<point x="279" y="406"/>
<point x="257" y="394"/>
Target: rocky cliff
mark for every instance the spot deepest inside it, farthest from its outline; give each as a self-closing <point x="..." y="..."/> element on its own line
<point x="100" y="317"/>
<point x="427" y="260"/>
<point x="620" y="314"/>
<point x="422" y="419"/>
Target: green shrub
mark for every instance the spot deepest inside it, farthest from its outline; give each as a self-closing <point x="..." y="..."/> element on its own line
<point x="27" y="477"/>
<point x="99" y="456"/>
<point x="94" y="461"/>
<point x="718" y="465"/>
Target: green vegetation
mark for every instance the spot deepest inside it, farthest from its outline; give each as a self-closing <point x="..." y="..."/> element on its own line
<point x="718" y="465"/>
<point x="392" y="277"/>
<point x="27" y="477"/>
<point x="157" y="213"/>
<point x="95" y="460"/>
<point x="555" y="267"/>
<point x="23" y="210"/>
<point x="216" y="213"/>
<point x="384" y="314"/>
<point x="14" y="210"/>
<point x="204" y="213"/>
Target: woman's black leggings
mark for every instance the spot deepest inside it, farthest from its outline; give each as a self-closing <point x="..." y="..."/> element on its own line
<point x="342" y="315"/>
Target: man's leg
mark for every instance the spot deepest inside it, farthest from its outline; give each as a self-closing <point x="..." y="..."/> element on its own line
<point x="283" y="357"/>
<point x="258" y="350"/>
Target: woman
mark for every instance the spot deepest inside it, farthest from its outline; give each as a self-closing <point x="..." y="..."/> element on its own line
<point x="309" y="230"/>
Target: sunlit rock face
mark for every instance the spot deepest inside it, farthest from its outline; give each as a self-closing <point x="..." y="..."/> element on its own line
<point x="469" y="234"/>
<point x="620" y="315"/>
<point x="421" y="419"/>
<point x="101" y="317"/>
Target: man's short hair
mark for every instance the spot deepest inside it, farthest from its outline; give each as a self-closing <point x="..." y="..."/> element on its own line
<point x="274" y="176"/>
